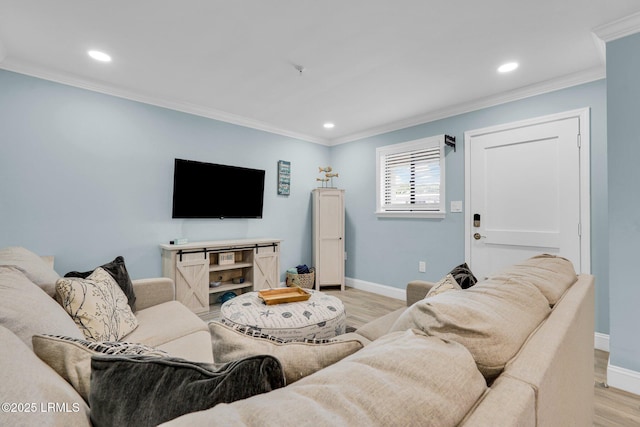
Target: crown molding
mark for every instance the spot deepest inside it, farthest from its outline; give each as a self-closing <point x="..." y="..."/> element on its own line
<point x="540" y="88"/>
<point x="597" y="73"/>
<point x="619" y="28"/>
<point x="10" y="64"/>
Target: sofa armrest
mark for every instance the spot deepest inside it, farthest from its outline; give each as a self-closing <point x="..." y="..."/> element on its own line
<point x="417" y="290"/>
<point x="150" y="292"/>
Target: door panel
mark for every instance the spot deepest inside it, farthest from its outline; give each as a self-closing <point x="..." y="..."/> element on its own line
<point x="525" y="185"/>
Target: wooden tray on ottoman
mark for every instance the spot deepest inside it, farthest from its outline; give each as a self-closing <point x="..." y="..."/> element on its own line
<point x="281" y="295"/>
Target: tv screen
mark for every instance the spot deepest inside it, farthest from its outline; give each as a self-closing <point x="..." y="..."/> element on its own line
<point x="209" y="190"/>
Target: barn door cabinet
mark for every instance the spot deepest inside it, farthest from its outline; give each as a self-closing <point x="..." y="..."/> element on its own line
<point x="239" y="265"/>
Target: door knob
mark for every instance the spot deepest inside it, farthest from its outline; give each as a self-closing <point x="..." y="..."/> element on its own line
<point x="478" y="236"/>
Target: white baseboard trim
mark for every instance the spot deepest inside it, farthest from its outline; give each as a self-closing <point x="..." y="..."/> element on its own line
<point x="624" y="379"/>
<point x="384" y="290"/>
<point x="601" y="342"/>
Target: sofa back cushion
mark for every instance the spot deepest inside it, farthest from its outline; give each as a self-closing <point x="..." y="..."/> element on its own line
<point x="551" y="274"/>
<point x="29" y="387"/>
<point x="492" y="319"/>
<point x="402" y="379"/>
<point x="31" y="265"/>
<point x="26" y="310"/>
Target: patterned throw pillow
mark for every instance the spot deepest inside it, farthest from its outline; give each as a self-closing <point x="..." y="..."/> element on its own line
<point x="118" y="271"/>
<point x="97" y="305"/>
<point x="464" y="276"/>
<point x="71" y="357"/>
<point x="298" y="358"/>
<point x="447" y="283"/>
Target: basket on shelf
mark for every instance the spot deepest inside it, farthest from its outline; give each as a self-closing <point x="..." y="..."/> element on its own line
<point x="306" y="280"/>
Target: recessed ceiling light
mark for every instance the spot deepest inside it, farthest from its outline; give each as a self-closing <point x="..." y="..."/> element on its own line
<point x="99" y="56"/>
<point x="329" y="125"/>
<point x="509" y="66"/>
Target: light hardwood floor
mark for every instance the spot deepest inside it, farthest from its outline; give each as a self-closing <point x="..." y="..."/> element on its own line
<point x="613" y="407"/>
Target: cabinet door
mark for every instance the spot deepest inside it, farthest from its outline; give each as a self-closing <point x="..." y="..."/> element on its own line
<point x="192" y="281"/>
<point x="266" y="268"/>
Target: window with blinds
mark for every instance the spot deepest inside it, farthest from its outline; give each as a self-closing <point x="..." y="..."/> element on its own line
<point x="410" y="178"/>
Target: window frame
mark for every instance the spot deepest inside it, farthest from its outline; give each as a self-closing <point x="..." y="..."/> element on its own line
<point x="406" y="147"/>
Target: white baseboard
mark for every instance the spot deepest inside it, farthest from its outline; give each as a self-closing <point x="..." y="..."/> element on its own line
<point x="387" y="291"/>
<point x="624" y="379"/>
<point x="601" y="342"/>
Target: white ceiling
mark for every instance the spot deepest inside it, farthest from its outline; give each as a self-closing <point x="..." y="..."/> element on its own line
<point x="369" y="65"/>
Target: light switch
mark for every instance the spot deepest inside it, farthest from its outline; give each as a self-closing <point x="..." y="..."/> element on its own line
<point x="456" y="206"/>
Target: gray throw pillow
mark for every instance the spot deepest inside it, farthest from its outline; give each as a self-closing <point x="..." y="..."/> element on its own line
<point x="147" y="390"/>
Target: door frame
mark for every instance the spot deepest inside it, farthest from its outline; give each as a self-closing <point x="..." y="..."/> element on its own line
<point x="583" y="115"/>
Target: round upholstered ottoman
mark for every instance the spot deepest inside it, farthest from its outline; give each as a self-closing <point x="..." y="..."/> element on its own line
<point x="321" y="316"/>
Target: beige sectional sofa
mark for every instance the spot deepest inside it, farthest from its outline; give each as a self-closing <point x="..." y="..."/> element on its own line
<point x="27" y="384"/>
<point x="414" y="371"/>
<point x="514" y="350"/>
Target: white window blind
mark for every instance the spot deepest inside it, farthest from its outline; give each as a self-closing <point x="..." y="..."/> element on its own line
<point x="410" y="178"/>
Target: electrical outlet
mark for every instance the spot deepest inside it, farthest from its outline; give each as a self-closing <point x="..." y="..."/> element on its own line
<point x="422" y="266"/>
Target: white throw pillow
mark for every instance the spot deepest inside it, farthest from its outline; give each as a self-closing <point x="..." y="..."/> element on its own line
<point x="97" y="305"/>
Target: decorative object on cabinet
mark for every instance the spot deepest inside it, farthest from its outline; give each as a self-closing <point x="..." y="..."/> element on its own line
<point x="226" y="258"/>
<point x="284" y="178"/>
<point x="193" y="267"/>
<point x="328" y="237"/>
<point x="328" y="176"/>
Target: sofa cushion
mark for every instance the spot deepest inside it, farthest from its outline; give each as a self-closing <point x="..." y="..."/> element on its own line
<point x="26" y="310"/>
<point x="298" y="359"/>
<point x="492" y="319"/>
<point x="118" y="270"/>
<point x="27" y="381"/>
<point x="146" y="391"/>
<point x="97" y="305"/>
<point x="402" y="379"/>
<point x="31" y="265"/>
<point x="163" y="323"/>
<point x="445" y="284"/>
<point x="71" y="357"/>
<point x="551" y="274"/>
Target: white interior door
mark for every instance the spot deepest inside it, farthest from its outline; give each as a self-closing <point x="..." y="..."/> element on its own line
<point x="524" y="193"/>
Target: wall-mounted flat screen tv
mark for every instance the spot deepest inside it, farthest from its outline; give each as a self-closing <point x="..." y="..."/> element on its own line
<point x="209" y="190"/>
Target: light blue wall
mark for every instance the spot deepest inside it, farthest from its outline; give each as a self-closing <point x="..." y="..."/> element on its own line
<point x="87" y="177"/>
<point x="623" y="105"/>
<point x="387" y="251"/>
